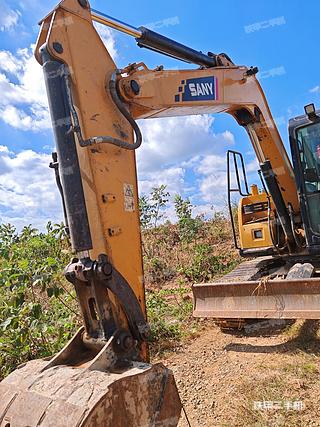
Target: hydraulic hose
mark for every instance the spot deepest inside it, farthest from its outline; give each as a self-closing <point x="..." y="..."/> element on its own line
<point x="104" y="139"/>
<point x="291" y="214"/>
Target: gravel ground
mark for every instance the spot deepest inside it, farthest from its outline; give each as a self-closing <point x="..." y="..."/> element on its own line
<point x="222" y="377"/>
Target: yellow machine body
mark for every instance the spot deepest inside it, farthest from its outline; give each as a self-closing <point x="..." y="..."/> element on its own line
<point x="84" y="385"/>
<point x="254" y="224"/>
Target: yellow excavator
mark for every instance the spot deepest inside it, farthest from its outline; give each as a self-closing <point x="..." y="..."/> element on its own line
<point x="103" y="377"/>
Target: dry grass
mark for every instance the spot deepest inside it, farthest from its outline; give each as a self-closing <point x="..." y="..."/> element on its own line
<point x="170" y="259"/>
<point x="173" y="261"/>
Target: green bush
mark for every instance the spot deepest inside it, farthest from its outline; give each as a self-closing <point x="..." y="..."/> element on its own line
<point x="219" y="228"/>
<point x="168" y="309"/>
<point x="152" y="207"/>
<point x="37" y="307"/>
<point x="158" y="271"/>
<point x="205" y="265"/>
<point x="189" y="227"/>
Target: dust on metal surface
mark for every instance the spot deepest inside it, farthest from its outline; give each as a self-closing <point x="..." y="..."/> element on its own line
<point x="63" y="396"/>
<point x="287" y="299"/>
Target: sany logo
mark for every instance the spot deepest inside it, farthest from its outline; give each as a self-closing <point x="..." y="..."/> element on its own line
<point x="199" y="89"/>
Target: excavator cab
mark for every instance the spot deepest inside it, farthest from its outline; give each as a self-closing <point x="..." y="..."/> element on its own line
<point x="304" y="134"/>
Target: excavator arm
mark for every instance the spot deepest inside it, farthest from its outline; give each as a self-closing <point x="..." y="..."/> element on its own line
<point x="102" y="377"/>
<point x="221" y="89"/>
<point x="218" y="86"/>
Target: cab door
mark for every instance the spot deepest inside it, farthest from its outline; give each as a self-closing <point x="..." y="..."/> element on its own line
<point x="305" y="147"/>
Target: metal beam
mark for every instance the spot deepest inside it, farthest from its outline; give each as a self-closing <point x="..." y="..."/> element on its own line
<point x="274" y="299"/>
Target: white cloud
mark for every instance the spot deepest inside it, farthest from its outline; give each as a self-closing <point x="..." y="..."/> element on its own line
<point x="252" y="165"/>
<point x="172" y="177"/>
<point x="28" y="193"/>
<point x="33" y="198"/>
<point x="9" y="62"/>
<point x="205" y="210"/>
<point x="211" y="163"/>
<point x="23" y="102"/>
<point x="8" y="17"/>
<point x="177" y="139"/>
<point x="174" y="149"/>
<point x="315" y="89"/>
<point x="213" y="179"/>
<point x="36" y="120"/>
<point x="108" y="38"/>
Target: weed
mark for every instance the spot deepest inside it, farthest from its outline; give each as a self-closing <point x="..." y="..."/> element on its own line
<point x="38" y="308"/>
<point x="189" y="227"/>
<point x="205" y="265"/>
<point x="151" y="207"/>
<point x="169" y="315"/>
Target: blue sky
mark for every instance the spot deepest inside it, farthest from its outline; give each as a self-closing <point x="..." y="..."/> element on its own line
<point x="277" y="36"/>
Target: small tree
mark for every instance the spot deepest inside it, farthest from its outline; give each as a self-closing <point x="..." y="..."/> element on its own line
<point x="145" y="209"/>
<point x="152" y="206"/>
<point x="159" y="199"/>
<point x="188" y="226"/>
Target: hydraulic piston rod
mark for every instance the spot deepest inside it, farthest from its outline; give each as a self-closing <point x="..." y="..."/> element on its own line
<point x="155" y="41"/>
<point x="114" y="23"/>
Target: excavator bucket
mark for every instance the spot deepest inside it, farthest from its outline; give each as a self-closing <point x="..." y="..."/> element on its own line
<point x="143" y="396"/>
<point x="265" y="288"/>
<point x="50" y="394"/>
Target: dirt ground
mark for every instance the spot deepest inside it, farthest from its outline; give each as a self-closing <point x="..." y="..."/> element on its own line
<point x="266" y="375"/>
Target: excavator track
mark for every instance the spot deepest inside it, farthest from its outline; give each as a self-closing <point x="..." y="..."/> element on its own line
<point x="249" y="270"/>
